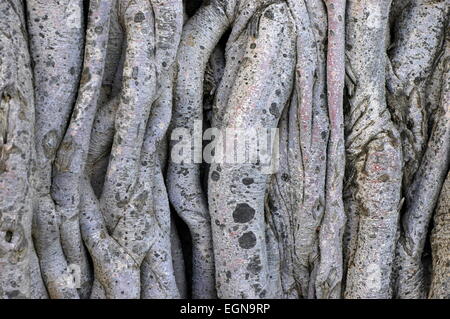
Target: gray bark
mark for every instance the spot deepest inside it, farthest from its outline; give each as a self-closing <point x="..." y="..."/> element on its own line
<point x="16" y="153"/>
<point x="348" y="199"/>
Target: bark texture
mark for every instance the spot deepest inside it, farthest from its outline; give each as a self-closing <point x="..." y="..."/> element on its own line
<point x="224" y="149"/>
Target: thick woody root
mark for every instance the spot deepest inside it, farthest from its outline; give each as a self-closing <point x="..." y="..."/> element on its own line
<point x="126" y="196"/>
<point x="329" y="277"/>
<point x="16" y="153"/>
<point x="157" y="271"/>
<point x="440" y="243"/>
<point x="284" y="192"/>
<point x="112" y="75"/>
<point x="213" y="76"/>
<point x="118" y="275"/>
<point x="137" y="96"/>
<point x="234" y="54"/>
<point x="236" y="191"/>
<point x="103" y="129"/>
<point x="168" y="25"/>
<point x="158" y="275"/>
<point x="57" y="60"/>
<point x="313" y="133"/>
<point x="116" y="272"/>
<point x="71" y="156"/>
<point x="297" y="195"/>
<point x="100" y="144"/>
<point x="421" y="199"/>
<point x="413" y="56"/>
<point x="301" y="181"/>
<point x="184" y="184"/>
<point x="133" y="213"/>
<point x="373" y="155"/>
<point x="161" y="275"/>
<point x="245" y="16"/>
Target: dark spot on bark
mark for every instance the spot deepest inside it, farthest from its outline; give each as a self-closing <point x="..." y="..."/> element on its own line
<point x="228" y="274"/>
<point x="418" y="80"/>
<point x="217" y="222"/>
<point x="384" y="178"/>
<point x="135" y="72"/>
<point x="50" y="63"/>
<point x="410" y="124"/>
<point x="215" y="176"/>
<point x="243" y="213"/>
<point x="125" y="99"/>
<point x="253" y="45"/>
<point x="324" y="135"/>
<point x="278" y="92"/>
<point x="285" y="177"/>
<point x="272" y="208"/>
<point x="274" y="109"/>
<point x="254" y="266"/>
<point x="72" y="71"/>
<point x="247" y="181"/>
<point x="247" y="240"/>
<point x="98" y="29"/>
<point x="257" y="287"/>
<point x="269" y="14"/>
<point x="164" y="64"/>
<point x="8" y="236"/>
<point x="120" y="202"/>
<point x="139" y="17"/>
<point x="14" y="294"/>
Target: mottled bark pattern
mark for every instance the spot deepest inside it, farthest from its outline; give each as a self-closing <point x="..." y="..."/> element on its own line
<point x="224" y="149"/>
<point x="16" y="153"/>
<point x="373" y="153"/>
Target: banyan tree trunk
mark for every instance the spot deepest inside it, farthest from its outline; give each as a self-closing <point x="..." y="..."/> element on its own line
<point x="224" y="149"/>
